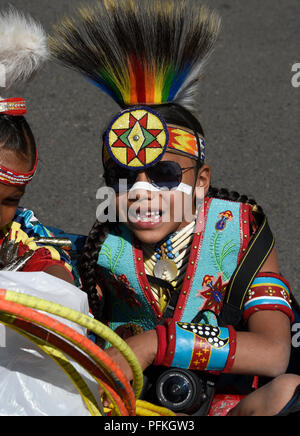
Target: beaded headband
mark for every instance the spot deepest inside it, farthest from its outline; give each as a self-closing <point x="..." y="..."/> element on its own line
<point x="139" y="137"/>
<point x="13" y="178"/>
<point x="15" y="107"/>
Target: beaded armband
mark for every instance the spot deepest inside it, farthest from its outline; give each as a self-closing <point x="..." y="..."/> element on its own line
<point x="198" y="347"/>
<point x="268" y="292"/>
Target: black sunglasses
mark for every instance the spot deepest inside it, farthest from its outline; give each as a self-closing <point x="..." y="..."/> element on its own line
<point x="163" y="175"/>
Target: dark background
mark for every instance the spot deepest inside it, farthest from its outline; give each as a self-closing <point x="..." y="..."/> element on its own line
<point x="247" y="105"/>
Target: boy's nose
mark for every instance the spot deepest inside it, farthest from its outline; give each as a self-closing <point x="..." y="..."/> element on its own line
<point x="142" y="177"/>
<point x="142" y="193"/>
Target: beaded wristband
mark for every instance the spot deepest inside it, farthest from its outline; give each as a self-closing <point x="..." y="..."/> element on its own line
<point x="198" y="347"/>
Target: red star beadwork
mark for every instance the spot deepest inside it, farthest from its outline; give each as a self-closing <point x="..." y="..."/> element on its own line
<point x="137" y="139"/>
<point x="213" y="292"/>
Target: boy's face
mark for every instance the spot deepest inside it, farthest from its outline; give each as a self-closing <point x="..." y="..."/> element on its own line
<point x="10" y="196"/>
<point x="151" y="216"/>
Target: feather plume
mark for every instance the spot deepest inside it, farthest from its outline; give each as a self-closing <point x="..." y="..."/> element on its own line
<point x="23" y="46"/>
<point x="139" y="51"/>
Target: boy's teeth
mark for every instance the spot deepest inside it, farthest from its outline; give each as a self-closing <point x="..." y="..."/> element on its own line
<point x="148" y="216"/>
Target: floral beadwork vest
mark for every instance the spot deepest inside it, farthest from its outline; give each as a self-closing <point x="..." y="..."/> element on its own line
<point x="221" y="238"/>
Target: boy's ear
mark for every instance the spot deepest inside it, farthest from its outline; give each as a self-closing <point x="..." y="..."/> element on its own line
<point x="202" y="183"/>
<point x="203" y="178"/>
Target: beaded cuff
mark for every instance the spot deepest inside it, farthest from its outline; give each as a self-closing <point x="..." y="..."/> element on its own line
<point x="198" y="347"/>
<point x="268" y="292"/>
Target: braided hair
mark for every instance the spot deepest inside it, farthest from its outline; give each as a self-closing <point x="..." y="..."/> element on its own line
<point x="87" y="265"/>
<point x="225" y="194"/>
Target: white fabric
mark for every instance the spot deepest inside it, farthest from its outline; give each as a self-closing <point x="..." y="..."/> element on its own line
<point x="31" y="384"/>
<point x="186" y="189"/>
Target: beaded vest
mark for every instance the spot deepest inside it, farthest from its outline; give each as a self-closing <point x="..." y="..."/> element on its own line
<point x="220" y="240"/>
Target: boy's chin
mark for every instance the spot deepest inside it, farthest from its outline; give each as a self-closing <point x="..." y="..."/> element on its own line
<point x="154" y="235"/>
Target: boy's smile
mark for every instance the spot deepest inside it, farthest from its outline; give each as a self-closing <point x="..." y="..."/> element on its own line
<point x="151" y="216"/>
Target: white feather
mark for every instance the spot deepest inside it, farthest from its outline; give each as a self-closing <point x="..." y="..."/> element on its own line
<point x="23" y="46"/>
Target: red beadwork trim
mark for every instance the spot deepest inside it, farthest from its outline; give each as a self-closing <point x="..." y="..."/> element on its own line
<point x="171" y="343"/>
<point x="142" y="277"/>
<point x="232" y="348"/>
<point x="271" y="307"/>
<point x="275" y="276"/>
<point x="162" y="345"/>
<point x="193" y="259"/>
<point x="245" y="217"/>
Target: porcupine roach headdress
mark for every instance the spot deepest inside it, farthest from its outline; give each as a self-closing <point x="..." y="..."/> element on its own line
<point x="23" y="49"/>
<point x="142" y="53"/>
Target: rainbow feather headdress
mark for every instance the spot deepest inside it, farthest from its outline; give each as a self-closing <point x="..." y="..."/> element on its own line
<point x="140" y="52"/>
